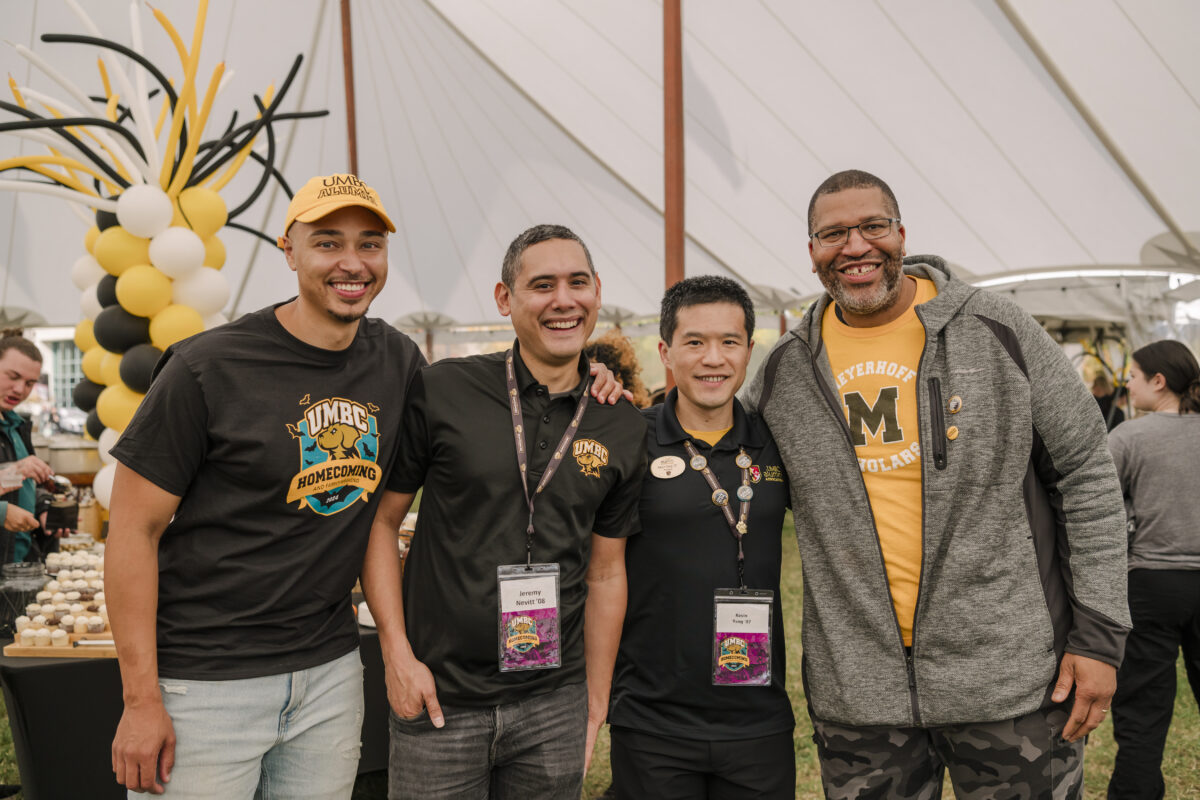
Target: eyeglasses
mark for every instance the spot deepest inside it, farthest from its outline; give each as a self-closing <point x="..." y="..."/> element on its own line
<point x="871" y="229"/>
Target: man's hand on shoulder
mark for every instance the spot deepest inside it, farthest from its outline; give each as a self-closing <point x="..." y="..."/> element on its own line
<point x="143" y="751"/>
<point x="605" y="386"/>
<point x="1095" y="683"/>
<point x="410" y="688"/>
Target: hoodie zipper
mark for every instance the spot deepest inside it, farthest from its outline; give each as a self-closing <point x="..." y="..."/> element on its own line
<point x="938" y="434"/>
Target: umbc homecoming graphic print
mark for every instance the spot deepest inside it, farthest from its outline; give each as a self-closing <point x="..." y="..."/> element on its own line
<point x="339" y="451"/>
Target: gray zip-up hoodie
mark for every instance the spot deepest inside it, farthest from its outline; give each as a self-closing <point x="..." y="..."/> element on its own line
<point x="1023" y="537"/>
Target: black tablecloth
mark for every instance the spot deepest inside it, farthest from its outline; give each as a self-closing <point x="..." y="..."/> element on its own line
<point x="64" y="713"/>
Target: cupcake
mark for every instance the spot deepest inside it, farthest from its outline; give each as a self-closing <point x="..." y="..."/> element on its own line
<point x="95" y="583"/>
<point x="72" y="596"/>
<point x="103" y="611"/>
<point x="47" y="610"/>
<point x="53" y="586"/>
<point x="28" y="637"/>
<point x="62" y="609"/>
<point x="77" y="609"/>
<point x="44" y="596"/>
<point x="99" y="598"/>
<point x="58" y="597"/>
<point x="91" y="574"/>
<point x="67" y="623"/>
<point x="59" y="638"/>
<point x="42" y="637"/>
<point x="33" y="609"/>
<point x="95" y="625"/>
<point x="86" y="594"/>
<point x="81" y="623"/>
<point x="38" y="622"/>
<point x="21" y="623"/>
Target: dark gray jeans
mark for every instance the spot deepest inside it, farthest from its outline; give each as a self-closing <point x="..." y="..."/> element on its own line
<point x="531" y="748"/>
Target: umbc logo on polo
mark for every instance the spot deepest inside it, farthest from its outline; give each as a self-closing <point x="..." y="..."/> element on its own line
<point x="339" y="451"/>
<point x="590" y="455"/>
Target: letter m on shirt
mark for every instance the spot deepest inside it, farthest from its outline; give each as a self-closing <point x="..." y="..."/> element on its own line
<point x="863" y="418"/>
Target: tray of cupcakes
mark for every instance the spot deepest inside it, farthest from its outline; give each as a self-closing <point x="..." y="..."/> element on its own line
<point x="68" y="617"/>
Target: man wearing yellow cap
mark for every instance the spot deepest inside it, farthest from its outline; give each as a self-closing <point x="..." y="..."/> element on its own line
<point x="241" y="509"/>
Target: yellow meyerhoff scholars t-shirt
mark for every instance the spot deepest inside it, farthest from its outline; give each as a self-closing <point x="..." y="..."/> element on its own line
<point x="875" y="372"/>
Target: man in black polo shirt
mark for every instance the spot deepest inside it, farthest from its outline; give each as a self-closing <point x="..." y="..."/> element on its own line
<point x="699" y="708"/>
<point x="497" y="686"/>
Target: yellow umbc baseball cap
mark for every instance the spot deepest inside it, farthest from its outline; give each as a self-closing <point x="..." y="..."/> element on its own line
<point x="325" y="194"/>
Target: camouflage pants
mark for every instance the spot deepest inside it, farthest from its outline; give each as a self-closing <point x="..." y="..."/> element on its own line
<point x="1017" y="759"/>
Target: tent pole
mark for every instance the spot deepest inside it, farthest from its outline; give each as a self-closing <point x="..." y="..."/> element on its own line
<point x="673" y="146"/>
<point x="429" y="345"/>
<point x="348" y="70"/>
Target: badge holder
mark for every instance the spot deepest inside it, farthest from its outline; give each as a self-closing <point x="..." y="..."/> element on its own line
<point x="742" y="637"/>
<point x="528" y="625"/>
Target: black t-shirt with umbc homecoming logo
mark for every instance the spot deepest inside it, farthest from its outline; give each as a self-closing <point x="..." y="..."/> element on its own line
<point x="278" y="450"/>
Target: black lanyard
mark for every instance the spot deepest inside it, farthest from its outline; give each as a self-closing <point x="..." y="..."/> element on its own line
<point x="720" y="498"/>
<point x="514" y="397"/>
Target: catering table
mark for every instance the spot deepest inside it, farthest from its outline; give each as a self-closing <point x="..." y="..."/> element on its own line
<point x="64" y="712"/>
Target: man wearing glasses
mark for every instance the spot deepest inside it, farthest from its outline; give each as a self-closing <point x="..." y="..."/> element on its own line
<point x="959" y="519"/>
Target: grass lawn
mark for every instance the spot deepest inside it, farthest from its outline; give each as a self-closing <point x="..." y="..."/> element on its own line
<point x="1181" y="764"/>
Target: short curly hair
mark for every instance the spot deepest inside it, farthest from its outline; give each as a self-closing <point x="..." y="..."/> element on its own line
<point x="615" y="351"/>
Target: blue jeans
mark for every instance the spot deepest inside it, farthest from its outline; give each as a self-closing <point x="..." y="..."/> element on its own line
<point x="530" y="748"/>
<point x="279" y="737"/>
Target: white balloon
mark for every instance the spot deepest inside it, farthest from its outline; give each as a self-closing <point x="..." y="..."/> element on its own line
<point x="86" y="271"/>
<point x="102" y="484"/>
<point x="177" y="252"/>
<point x="144" y="210"/>
<point x="205" y="290"/>
<point x="214" y="320"/>
<point x="89" y="303"/>
<point x="105" y="444"/>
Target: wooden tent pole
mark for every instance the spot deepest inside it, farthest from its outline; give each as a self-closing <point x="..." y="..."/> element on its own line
<point x="348" y="70"/>
<point x="673" y="146"/>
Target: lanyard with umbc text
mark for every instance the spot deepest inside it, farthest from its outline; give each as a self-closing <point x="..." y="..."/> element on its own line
<point x="741" y="652"/>
<point x="528" y="594"/>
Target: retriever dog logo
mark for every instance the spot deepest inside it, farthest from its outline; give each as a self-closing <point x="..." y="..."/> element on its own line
<point x="339" y="441"/>
<point x="590" y="455"/>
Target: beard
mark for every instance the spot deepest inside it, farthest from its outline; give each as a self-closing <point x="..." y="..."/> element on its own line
<point x="348" y="318"/>
<point x="862" y="302"/>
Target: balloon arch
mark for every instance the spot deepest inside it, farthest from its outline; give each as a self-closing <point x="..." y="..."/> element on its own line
<point x="151" y="275"/>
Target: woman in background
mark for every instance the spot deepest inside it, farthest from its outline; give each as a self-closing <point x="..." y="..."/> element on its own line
<point x="1157" y="460"/>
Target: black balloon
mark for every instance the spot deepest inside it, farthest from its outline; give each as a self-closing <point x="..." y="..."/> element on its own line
<point x="116" y="330"/>
<point x="106" y="291"/>
<point x="85" y="394"/>
<point x="137" y="366"/>
<point x="94" y="426"/>
<point x="106" y="219"/>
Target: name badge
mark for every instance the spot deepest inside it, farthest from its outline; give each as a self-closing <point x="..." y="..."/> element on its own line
<point x="667" y="467"/>
<point x="528" y="629"/>
<point x="742" y="637"/>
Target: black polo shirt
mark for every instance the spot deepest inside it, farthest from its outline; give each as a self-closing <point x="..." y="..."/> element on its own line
<point x="457" y="443"/>
<point x="662" y="684"/>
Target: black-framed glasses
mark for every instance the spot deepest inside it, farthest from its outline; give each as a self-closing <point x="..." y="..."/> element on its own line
<point x="837" y="236"/>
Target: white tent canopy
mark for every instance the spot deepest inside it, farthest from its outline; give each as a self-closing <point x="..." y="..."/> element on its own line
<point x="1018" y="135"/>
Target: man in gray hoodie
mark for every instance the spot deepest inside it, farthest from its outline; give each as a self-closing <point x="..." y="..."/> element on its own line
<point x="958" y="516"/>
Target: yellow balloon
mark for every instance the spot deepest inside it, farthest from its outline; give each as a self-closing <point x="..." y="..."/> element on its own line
<point x="173" y="323"/>
<point x="117" y="250"/>
<point x="214" y="252"/>
<point x="89" y="239"/>
<point x="143" y="290"/>
<point x="116" y="405"/>
<point x="85" y="339"/>
<point x="92" y="362"/>
<point x="202" y="210"/>
<point x="110" y="368"/>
